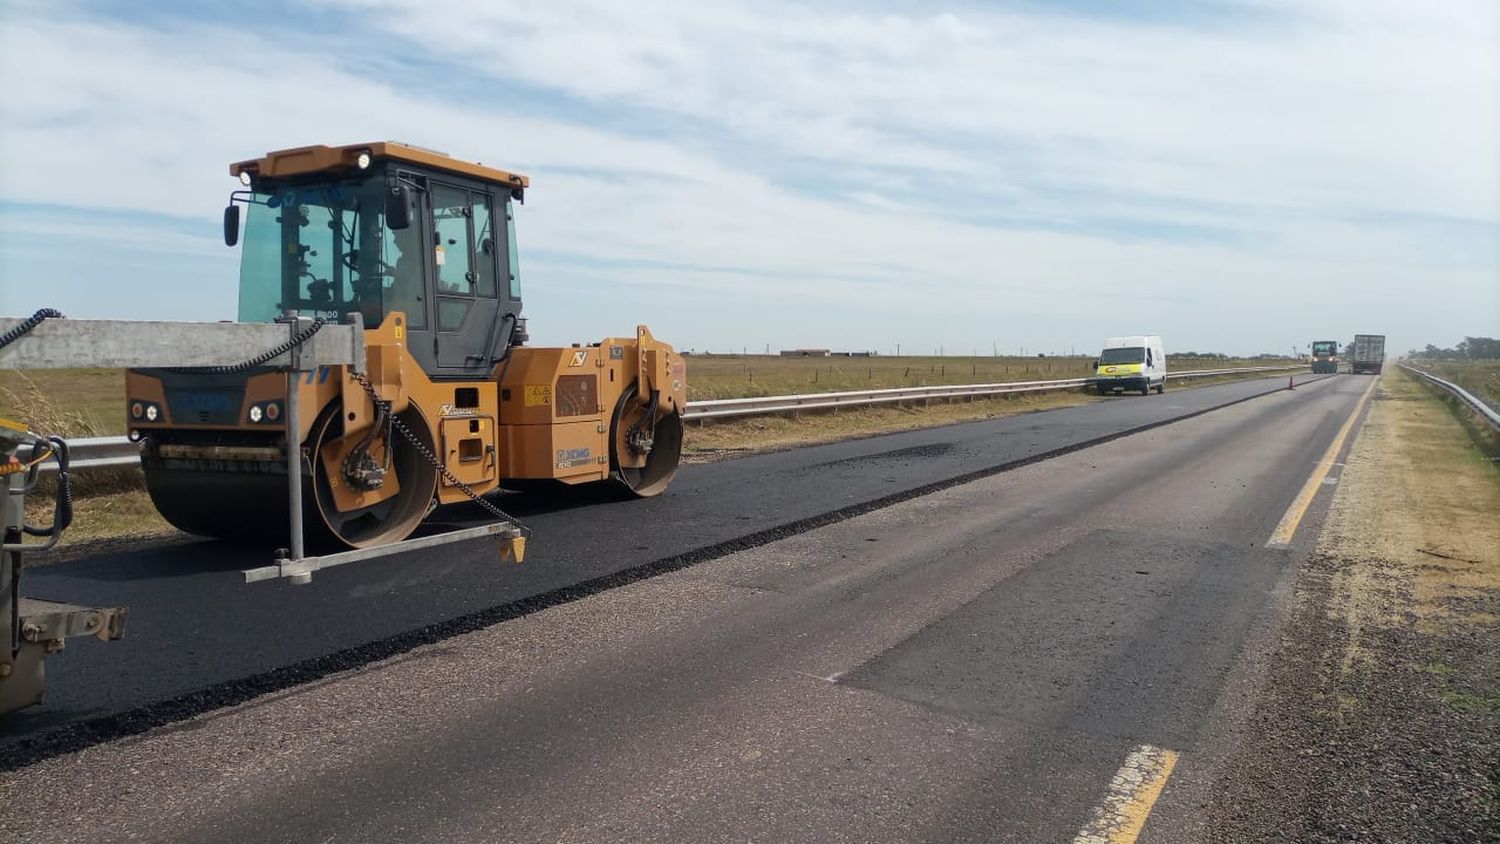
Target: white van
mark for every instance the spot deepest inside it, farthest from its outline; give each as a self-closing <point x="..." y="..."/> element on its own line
<point x="1131" y="363"/>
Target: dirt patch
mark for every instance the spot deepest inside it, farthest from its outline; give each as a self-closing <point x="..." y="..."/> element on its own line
<point x="107" y="523"/>
<point x="1382" y="721"/>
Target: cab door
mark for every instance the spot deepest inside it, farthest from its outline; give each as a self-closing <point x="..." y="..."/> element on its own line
<point x="467" y="259"/>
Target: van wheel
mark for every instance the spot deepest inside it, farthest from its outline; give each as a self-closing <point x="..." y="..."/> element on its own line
<point x="1146" y="390"/>
<point x="1101" y="389"/>
<point x="1162" y="387"/>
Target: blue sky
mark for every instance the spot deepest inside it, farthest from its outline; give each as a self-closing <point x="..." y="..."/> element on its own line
<point x="1240" y="177"/>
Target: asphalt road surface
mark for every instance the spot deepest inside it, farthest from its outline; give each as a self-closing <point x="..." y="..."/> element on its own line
<point x="198" y="637"/>
<point x="1060" y="650"/>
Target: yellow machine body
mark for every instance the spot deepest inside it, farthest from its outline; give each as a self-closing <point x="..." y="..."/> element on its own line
<point x="214" y="444"/>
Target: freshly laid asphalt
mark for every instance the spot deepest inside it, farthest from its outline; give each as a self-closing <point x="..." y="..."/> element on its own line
<point x="974" y="663"/>
<point x="199" y="638"/>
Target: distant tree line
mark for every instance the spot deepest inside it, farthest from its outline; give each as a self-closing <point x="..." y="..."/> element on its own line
<point x="1470" y="348"/>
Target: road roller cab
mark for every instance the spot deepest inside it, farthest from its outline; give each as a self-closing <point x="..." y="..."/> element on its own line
<point x="1325" y="356"/>
<point x="420" y="248"/>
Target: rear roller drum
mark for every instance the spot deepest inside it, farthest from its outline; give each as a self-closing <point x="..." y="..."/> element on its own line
<point x="632" y="434"/>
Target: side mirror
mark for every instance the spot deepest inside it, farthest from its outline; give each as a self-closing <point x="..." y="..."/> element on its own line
<point x="1094" y="365"/>
<point x="231" y="224"/>
<point x="397" y="207"/>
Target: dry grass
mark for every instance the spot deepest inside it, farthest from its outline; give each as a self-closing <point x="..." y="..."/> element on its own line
<point x="1480" y="377"/>
<point x="1416" y="502"/>
<point x="108" y="505"/>
<point x="95" y="404"/>
<point x="740" y="376"/>
<point x="1482" y="380"/>
<point x="66" y="402"/>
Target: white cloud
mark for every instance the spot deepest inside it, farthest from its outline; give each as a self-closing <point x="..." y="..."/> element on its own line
<point x="1275" y="133"/>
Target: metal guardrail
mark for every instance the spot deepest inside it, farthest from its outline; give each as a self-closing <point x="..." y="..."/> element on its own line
<point x="1478" y="405"/>
<point x="100" y="453"/>
<point x="765" y="405"/>
<point x="119" y="452"/>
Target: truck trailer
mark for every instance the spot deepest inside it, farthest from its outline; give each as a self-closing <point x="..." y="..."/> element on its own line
<point x="1369" y="354"/>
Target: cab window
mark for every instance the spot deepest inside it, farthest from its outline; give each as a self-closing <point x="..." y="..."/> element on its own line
<point x="513" y="262"/>
<point x="401" y="253"/>
<point x="452" y="256"/>
<point x="484" y="247"/>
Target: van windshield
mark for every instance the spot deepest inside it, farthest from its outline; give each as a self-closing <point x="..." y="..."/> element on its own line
<point x="1124" y="354"/>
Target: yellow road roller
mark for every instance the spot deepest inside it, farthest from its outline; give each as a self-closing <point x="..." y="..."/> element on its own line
<point x="420" y="249"/>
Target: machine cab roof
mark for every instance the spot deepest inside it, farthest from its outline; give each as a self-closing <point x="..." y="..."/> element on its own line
<point x="304" y="161"/>
<point x="380" y="229"/>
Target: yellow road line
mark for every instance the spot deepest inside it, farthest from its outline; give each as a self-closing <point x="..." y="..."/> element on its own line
<point x="1282" y="536"/>
<point x="1132" y="793"/>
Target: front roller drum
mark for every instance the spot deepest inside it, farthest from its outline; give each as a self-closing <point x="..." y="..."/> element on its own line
<point x="625" y="440"/>
<point x="384" y="522"/>
<point x="251" y="507"/>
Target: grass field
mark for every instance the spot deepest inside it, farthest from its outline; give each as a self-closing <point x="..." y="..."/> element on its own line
<point x="1482" y="379"/>
<point x="66" y="402"/>
<point x="91" y="402"/>
<point x="738" y="376"/>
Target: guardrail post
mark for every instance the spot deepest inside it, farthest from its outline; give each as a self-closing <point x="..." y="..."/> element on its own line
<point x="294" y="440"/>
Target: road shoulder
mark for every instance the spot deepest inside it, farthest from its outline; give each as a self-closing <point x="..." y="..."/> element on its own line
<point x="1380" y="719"/>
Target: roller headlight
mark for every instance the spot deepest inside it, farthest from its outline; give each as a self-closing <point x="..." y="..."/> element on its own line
<point x="152" y="413"/>
<point x="265" y="412"/>
<point x="136" y="410"/>
<point x="363" y="161"/>
<point x="245" y="178"/>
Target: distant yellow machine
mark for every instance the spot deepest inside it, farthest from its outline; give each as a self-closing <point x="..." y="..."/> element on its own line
<point x="422" y="248"/>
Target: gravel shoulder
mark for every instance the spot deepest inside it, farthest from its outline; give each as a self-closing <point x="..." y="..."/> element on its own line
<point x="1381" y="717"/>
